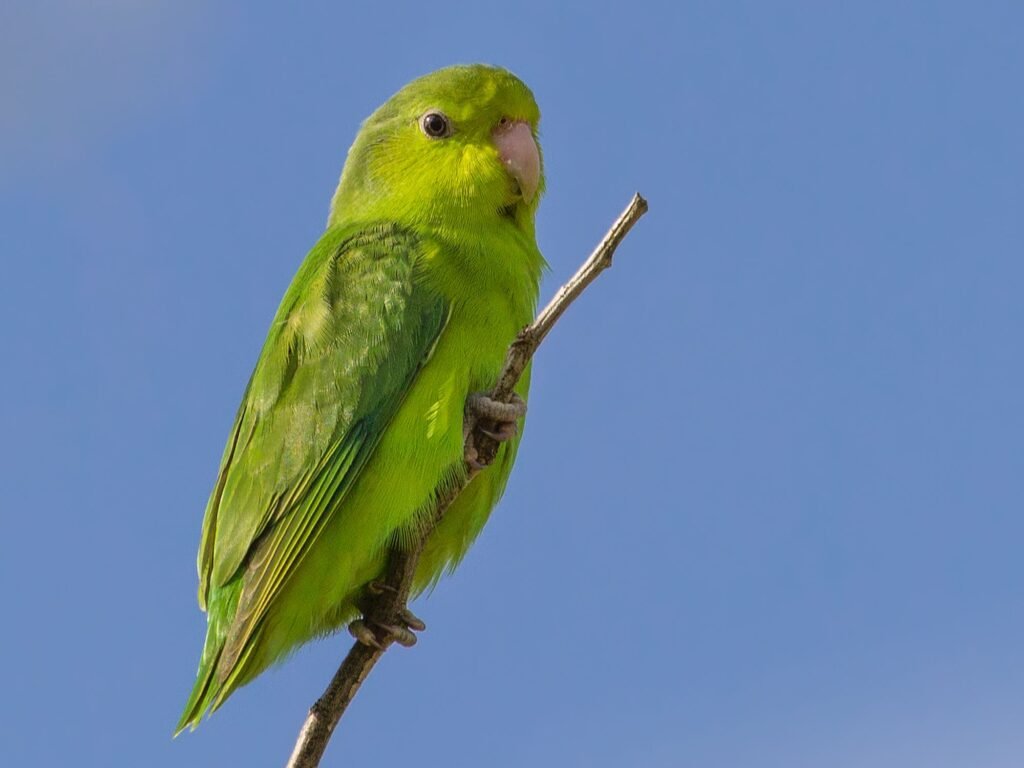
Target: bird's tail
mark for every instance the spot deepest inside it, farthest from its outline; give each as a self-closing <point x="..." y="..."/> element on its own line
<point x="207" y="687"/>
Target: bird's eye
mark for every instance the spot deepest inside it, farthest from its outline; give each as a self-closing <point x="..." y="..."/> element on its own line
<point x="435" y="125"/>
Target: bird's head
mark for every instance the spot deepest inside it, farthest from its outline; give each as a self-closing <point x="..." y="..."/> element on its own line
<point x="455" y="147"/>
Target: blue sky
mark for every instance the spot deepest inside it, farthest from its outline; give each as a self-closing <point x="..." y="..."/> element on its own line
<point x="768" y="507"/>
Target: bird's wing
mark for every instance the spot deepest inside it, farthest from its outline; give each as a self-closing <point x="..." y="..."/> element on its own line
<point x="351" y="334"/>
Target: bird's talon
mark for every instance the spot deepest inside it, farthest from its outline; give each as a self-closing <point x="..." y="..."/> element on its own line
<point x="506" y="430"/>
<point x="471" y="458"/>
<point x="361" y="631"/>
<point x="411" y="620"/>
<point x="401" y="635"/>
<point x="484" y="407"/>
<point x="379" y="588"/>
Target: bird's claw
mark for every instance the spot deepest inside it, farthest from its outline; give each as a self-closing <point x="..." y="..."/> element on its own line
<point x="472" y="458"/>
<point x="401" y="635"/>
<point x="482" y="406"/>
<point x="361" y="631"/>
<point x="505" y="430"/>
<point x="497" y="420"/>
<point x="411" y="620"/>
<point x="376" y="587"/>
<point x="402" y="632"/>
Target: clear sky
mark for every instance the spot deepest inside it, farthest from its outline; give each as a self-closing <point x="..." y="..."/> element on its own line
<point x="768" y="509"/>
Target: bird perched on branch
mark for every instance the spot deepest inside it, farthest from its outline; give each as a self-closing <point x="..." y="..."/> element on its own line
<point x="353" y="419"/>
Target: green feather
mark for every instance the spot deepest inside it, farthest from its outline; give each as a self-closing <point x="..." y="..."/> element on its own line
<point x="352" y="419"/>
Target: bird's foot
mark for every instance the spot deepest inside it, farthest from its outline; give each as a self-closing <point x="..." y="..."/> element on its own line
<point x="375" y="634"/>
<point x="484" y="408"/>
<point x="497" y="420"/>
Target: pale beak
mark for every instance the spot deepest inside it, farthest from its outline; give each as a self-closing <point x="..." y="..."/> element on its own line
<point x="519" y="153"/>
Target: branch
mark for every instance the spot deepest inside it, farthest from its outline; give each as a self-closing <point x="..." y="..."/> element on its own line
<point x="383" y="607"/>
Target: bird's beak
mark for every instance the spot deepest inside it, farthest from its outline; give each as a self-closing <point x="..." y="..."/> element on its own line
<point x="519" y="153"/>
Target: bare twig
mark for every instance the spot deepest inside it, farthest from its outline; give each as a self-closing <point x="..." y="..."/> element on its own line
<point x="383" y="608"/>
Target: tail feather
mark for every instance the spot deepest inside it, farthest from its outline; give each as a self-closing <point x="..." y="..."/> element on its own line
<point x="207" y="693"/>
<point x="200" y="698"/>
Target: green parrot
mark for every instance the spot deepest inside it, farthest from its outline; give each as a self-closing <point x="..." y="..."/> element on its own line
<point x="353" y="418"/>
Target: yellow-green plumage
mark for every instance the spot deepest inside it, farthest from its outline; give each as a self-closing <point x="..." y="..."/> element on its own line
<point x="353" y="416"/>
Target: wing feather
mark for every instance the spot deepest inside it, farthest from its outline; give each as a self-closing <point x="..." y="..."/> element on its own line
<point x="352" y="332"/>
